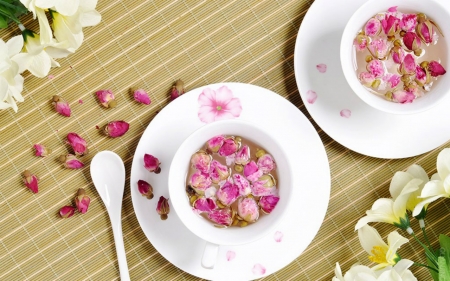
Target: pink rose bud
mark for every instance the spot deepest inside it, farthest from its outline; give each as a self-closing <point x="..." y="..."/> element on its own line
<point x="151" y="163"/>
<point x="201" y="161"/>
<point x="228" y="193"/>
<point x="268" y="203"/>
<point x="145" y="189"/>
<point x="402" y="96"/>
<point x="218" y="172"/>
<point x="78" y="144"/>
<point x="31" y="181"/>
<point x="373" y="27"/>
<point x="266" y="163"/>
<point x="41" y="150"/>
<point x="116" y="129"/>
<point x="398" y="54"/>
<point x="177" y="89"/>
<point x="162" y="207"/>
<point x="221" y="216"/>
<point x="229" y="147"/>
<point x="408" y="22"/>
<point x="61" y="106"/>
<point x="200" y="182"/>
<point x="392" y="79"/>
<point x="248" y="209"/>
<point x="67" y="211"/>
<point x="243" y="156"/>
<point x="436" y="69"/>
<point x="425" y="29"/>
<point x="106" y="98"/>
<point x="360" y="42"/>
<point x="421" y="76"/>
<point x="215" y="143"/>
<point x="204" y="205"/>
<point x="366" y="78"/>
<point x="376" y="67"/>
<point x="71" y="162"/>
<point x="252" y="171"/>
<point x="379" y="48"/>
<point x="411" y="41"/>
<point x="140" y="95"/>
<point x="408" y="66"/>
<point x="242" y="184"/>
<point x="82" y="201"/>
<point x="390" y="25"/>
<point x="264" y="186"/>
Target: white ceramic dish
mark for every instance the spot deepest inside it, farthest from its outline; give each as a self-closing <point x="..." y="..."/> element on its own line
<point x="295" y="231"/>
<point x="339" y="111"/>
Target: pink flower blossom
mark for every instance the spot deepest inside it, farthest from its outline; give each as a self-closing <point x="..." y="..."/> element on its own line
<point x="230" y="255"/>
<point x="200" y="182"/>
<point x="268" y="203"/>
<point x="41" y="150"/>
<point x="366" y="78"/>
<point x="61" y="106"/>
<point x="376" y="67"/>
<point x="243" y="156"/>
<point x="421" y="75"/>
<point x="379" y="48"/>
<point x="311" y="96"/>
<point x="140" y="95"/>
<point x="30" y="181"/>
<point x="221" y="216"/>
<point x="360" y="42"/>
<point x="71" y="162"/>
<point x="411" y="41"/>
<point x="116" y="129"/>
<point x="390" y="25"/>
<point x="252" y="171"/>
<point x="346" y="113"/>
<point x="218" y="172"/>
<point x="218" y="105"/>
<point x="373" y="27"/>
<point x="201" y="161"/>
<point x="321" y="67"/>
<point x="204" y="205"/>
<point x="278" y="236"/>
<point x="229" y="147"/>
<point x="215" y="143"/>
<point x="152" y="164"/>
<point x="82" y="201"/>
<point x="425" y="30"/>
<point x="228" y="193"/>
<point x="436" y="69"/>
<point x="402" y="96"/>
<point x="162" y="207"/>
<point x="248" y="209"/>
<point x="398" y="54"/>
<point x="408" y="22"/>
<point x="243" y="184"/>
<point x="177" y="89"/>
<point x="392" y="79"/>
<point x="77" y="143"/>
<point x="264" y="186"/>
<point x="258" y="269"/>
<point x="145" y="189"/>
<point x="409" y="65"/>
<point x="67" y="211"/>
<point x="392" y="9"/>
<point x="106" y="98"/>
<point x="266" y="163"/>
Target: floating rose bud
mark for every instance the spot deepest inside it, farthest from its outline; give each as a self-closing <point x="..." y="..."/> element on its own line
<point x="376" y="67"/>
<point x="252" y="171"/>
<point x="243" y="156"/>
<point x="106" y="98"/>
<point x="221" y="216"/>
<point x="41" y="150"/>
<point x="422" y="77"/>
<point x="402" y="96"/>
<point x="215" y="143"/>
<point x="411" y="41"/>
<point x="436" y="68"/>
<point x="145" y="189"/>
<point x="31" y="181"/>
<point x="210" y="192"/>
<point x="361" y="42"/>
<point x="67" y="211"/>
<point x="264" y="186"/>
<point x="151" y="163"/>
<point x="229" y="147"/>
<point x="141" y="96"/>
<point x="408" y="66"/>
<point x="392" y="79"/>
<point x="116" y="129"/>
<point x="408" y="22"/>
<point x="390" y="25"/>
<point x="398" y="54"/>
<point x="425" y="29"/>
<point x="204" y="205"/>
<point x="266" y="163"/>
<point x="228" y="193"/>
<point x="366" y="78"/>
<point x="82" y="201"/>
<point x="177" y="89"/>
<point x="268" y="203"/>
<point x="78" y="144"/>
<point x="200" y="182"/>
<point x="61" y="106"/>
<point x="373" y="27"/>
<point x="71" y="162"/>
<point x="242" y="184"/>
<point x="379" y="48"/>
<point x="218" y="172"/>
<point x="201" y="161"/>
<point x="162" y="207"/>
<point x="248" y="209"/>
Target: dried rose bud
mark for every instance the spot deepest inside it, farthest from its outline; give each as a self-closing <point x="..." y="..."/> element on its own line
<point x="67" y="211"/>
<point x="425" y="29"/>
<point x="248" y="209"/>
<point x="436" y="69"/>
<point x="252" y="171"/>
<point x="390" y="25"/>
<point x="378" y="48"/>
<point x="204" y="205"/>
<point x="422" y="76"/>
<point x="266" y="163"/>
<point x="218" y="172"/>
<point x="140" y="95"/>
<point x="408" y="66"/>
<point x="398" y="54"/>
<point x="31" y="181"/>
<point x="61" y="106"/>
<point x="242" y="184"/>
<point x="200" y="182"/>
<point x="145" y="189"/>
<point x="366" y="78"/>
<point x="411" y="41"/>
<point x="201" y="161"/>
<point x="229" y="147"/>
<point x="392" y="79"/>
<point x="41" y="150"/>
<point x="82" y="201"/>
<point x="376" y="67"/>
<point x="177" y="89"/>
<point x="408" y="22"/>
<point x="228" y="193"/>
<point x="243" y="156"/>
<point x="71" y="162"/>
<point x="116" y="129"/>
<point x="106" y="98"/>
<point x="402" y="96"/>
<point x="163" y="208"/>
<point x="210" y="192"/>
<point x="215" y="143"/>
<point x="373" y="27"/>
<point x="268" y="203"/>
<point x="151" y="163"/>
<point x="361" y="42"/>
<point x="78" y="144"/>
<point x="221" y="216"/>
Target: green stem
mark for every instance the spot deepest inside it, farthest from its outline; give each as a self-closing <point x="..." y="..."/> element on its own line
<point x="426" y="237"/>
<point x="430" y="255"/>
<point x="424" y="265"/>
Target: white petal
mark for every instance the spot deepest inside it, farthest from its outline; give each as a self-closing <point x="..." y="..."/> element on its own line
<point x="63" y="33"/>
<point x="422" y="204"/>
<point x="54" y="63"/>
<point x="418" y="172"/>
<point x="443" y="163"/>
<point x="398" y="182"/>
<point x="12" y="102"/>
<point x="338" y="273"/>
<point x="67" y="7"/>
<point x="447" y="185"/>
<point x="40" y="65"/>
<point x="45" y="4"/>
<point x="45" y="31"/>
<point x="400" y="202"/>
<point x="57" y="53"/>
<point x="33" y="44"/>
<point x="17" y="89"/>
<point x="90" y="18"/>
<point x="369" y="237"/>
<point x="395" y="240"/>
<point x="23" y="60"/>
<point x="435" y="177"/>
<point x="88" y="5"/>
<point x="15" y="45"/>
<point x="433" y="188"/>
<point x="402" y="266"/>
<point x="3" y="88"/>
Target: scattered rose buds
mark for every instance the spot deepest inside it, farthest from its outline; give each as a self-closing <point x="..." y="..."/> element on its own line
<point x="141" y="96"/>
<point x="61" y="106"/>
<point x="408" y="22"/>
<point x="204" y="205"/>
<point x="145" y="189"/>
<point x="78" y="144"/>
<point x="243" y="184"/>
<point x="218" y="172"/>
<point x="390" y="25"/>
<point x="82" y="201"/>
<point x="67" y="211"/>
<point x="221" y="216"/>
<point x="248" y="209"/>
<point x="106" y="98"/>
<point x="376" y="68"/>
<point x="398" y="54"/>
<point x="266" y="163"/>
<point x="215" y="143"/>
<point x="268" y="203"/>
<point x="151" y="163"/>
<point x="243" y="156"/>
<point x="71" y="162"/>
<point x="162" y="207"/>
<point x="201" y="161"/>
<point x="229" y="147"/>
<point x="411" y="41"/>
<point x="200" y="182"/>
<point x="228" y="193"/>
<point x="373" y="27"/>
<point x="436" y="69"/>
<point x="116" y="129"/>
<point x="177" y="89"/>
<point x="31" y="181"/>
<point x="41" y="150"/>
<point x="408" y="66"/>
<point x="379" y="48"/>
<point x="252" y="171"/>
<point x="425" y="29"/>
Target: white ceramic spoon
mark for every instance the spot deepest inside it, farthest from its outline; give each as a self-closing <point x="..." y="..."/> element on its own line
<point x="108" y="175"/>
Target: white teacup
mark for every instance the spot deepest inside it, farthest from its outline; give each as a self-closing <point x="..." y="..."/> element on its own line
<point x="201" y="227"/>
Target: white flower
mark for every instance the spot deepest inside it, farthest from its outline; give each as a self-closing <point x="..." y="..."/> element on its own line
<point x="439" y="186"/>
<point x="39" y="12"/>
<point x="381" y="253"/>
<point x="399" y="272"/>
<point x="355" y="273"/>
<point x="64" y="7"/>
<point x="39" y="58"/>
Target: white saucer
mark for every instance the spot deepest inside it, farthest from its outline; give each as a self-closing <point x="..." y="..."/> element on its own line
<point x="360" y="127"/>
<point x="311" y="181"/>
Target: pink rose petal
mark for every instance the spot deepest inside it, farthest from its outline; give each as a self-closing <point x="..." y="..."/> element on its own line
<point x="51" y="76"/>
<point x="346" y="113"/>
<point x="80" y="101"/>
<point x="392" y="9"/>
<point x="231" y="255"/>
<point x="258" y="269"/>
<point x="311" y="97"/>
<point x="278" y="236"/>
<point x="322" y="68"/>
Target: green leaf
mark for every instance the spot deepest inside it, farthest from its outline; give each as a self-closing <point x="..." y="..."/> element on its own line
<point x="444" y="271"/>
<point x="3" y="22"/>
<point x="433" y="273"/>
<point x="445" y="248"/>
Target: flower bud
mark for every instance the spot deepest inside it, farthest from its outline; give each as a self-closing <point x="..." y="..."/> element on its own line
<point x="229" y="147"/>
<point x="392" y="79"/>
<point x="218" y="172"/>
<point x="436" y="69"/>
<point x="71" y="162"/>
<point x="378" y="48"/>
<point x="248" y="209"/>
<point x="408" y="22"/>
<point x="366" y="78"/>
<point x="116" y="129"/>
<point x="151" y="163"/>
<point x="215" y="143"/>
<point x="67" y="211"/>
<point x="106" y="98"/>
<point x="204" y="205"/>
<point x="221" y="216"/>
<point x="408" y="66"/>
<point x="264" y="186"/>
<point x="361" y="42"/>
<point x="372" y="27"/>
<point x="268" y="203"/>
<point x="78" y="144"/>
<point x="266" y="163"/>
<point x="145" y="189"/>
<point x="227" y="193"/>
<point x="177" y="89"/>
<point x="141" y="96"/>
<point x="201" y="161"/>
<point x="402" y="96"/>
<point x="31" y="181"/>
<point x="422" y="76"/>
<point x="243" y="156"/>
<point x="163" y="208"/>
<point x="411" y="41"/>
<point x="390" y="25"/>
<point x="41" y="150"/>
<point x="61" y="106"/>
<point x="252" y="171"/>
<point x="242" y="184"/>
<point x="376" y="67"/>
<point x="398" y="54"/>
<point x="200" y="182"/>
<point x="82" y="201"/>
<point x="425" y="30"/>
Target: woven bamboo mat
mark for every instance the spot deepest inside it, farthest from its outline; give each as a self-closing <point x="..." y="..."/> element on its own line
<point x="150" y="44"/>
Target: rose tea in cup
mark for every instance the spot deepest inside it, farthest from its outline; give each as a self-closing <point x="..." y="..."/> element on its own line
<point x="232" y="182"/>
<point x="398" y="55"/>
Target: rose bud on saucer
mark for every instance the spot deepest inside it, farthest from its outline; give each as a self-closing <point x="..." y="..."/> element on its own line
<point x="67" y="211"/>
<point x="248" y="209"/>
<point x="215" y="143"/>
<point x="177" y="89"/>
<point x="242" y="184"/>
<point x="200" y="182"/>
<point x="145" y="189"/>
<point x="141" y="96"/>
<point x="71" y="162"/>
<point x="243" y="156"/>
<point x="106" y="98"/>
<point x="151" y="163"/>
<point x="78" y="144"/>
<point x="408" y="66"/>
<point x="252" y="171"/>
<point x="31" y="181"/>
<point x="221" y="216"/>
<point x="266" y="163"/>
<point x="229" y="147"/>
<point x="116" y="129"/>
<point x="82" y="201"/>
<point x="268" y="203"/>
<point x="203" y="204"/>
<point x="61" y="106"/>
<point x="218" y="172"/>
<point x="41" y="150"/>
<point x="436" y="69"/>
<point x="201" y="161"/>
<point x="162" y="207"/>
<point x="227" y="193"/>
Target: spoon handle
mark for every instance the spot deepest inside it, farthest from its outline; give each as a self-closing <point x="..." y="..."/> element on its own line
<point x="120" y="249"/>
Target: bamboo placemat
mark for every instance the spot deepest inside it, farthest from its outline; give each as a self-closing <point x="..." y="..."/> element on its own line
<point x="150" y="44"/>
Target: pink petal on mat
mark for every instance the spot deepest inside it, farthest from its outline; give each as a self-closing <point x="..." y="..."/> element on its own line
<point x="311" y="96"/>
<point x="346" y="113"/>
<point x="231" y="255"/>
<point x="51" y="77"/>
<point x="322" y="68"/>
<point x="278" y="236"/>
<point x="258" y="269"/>
<point x="80" y="101"/>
